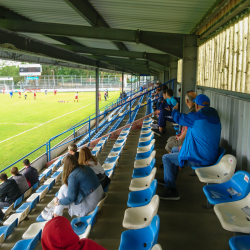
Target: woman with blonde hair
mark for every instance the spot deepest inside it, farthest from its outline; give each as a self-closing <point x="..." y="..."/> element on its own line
<point x="80" y="192"/>
<point x="86" y="158"/>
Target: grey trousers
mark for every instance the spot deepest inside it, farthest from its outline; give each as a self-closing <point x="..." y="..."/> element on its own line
<point x="171" y="142"/>
<point x="4" y="204"/>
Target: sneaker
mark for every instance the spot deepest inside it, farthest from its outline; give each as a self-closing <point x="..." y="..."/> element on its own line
<point x="46" y="215"/>
<point x="49" y="209"/>
<point x="161" y="182"/>
<point x="157" y="132"/>
<point x="154" y="126"/>
<point x="171" y="194"/>
<point x="155" y="118"/>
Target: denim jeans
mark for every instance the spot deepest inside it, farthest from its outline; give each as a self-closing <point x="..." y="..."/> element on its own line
<point x="171" y="167"/>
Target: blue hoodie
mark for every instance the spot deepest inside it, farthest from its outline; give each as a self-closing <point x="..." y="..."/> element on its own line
<point x="202" y="141"/>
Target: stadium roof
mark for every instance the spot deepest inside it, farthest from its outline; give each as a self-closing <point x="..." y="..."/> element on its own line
<point x="130" y="36"/>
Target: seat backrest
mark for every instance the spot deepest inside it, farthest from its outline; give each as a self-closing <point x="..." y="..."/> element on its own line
<point x="227" y="162"/>
<point x="156" y="247"/>
<point x="24" y="214"/>
<point x="11" y="228"/>
<point x="9" y="209"/>
<point x="35" y="185"/>
<point x="28" y="192"/>
<point x="51" y="184"/>
<point x="152" y="163"/>
<point x="155" y="227"/>
<point x="44" y="192"/>
<point x="58" y="177"/>
<point x="153" y="154"/>
<point x="153" y="187"/>
<point x="221" y="152"/>
<point x="32" y="245"/>
<point x="154" y="205"/>
<point x="152" y="175"/>
<point x="48" y="173"/>
<point x="101" y="202"/>
<point x="242" y="180"/>
<point x="34" y="202"/>
<point x="18" y="201"/>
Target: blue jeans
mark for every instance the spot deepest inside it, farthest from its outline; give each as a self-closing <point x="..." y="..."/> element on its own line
<point x="171" y="167"/>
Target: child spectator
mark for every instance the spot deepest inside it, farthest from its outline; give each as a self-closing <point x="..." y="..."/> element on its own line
<point x="20" y="180"/>
<point x="72" y="149"/>
<point x="9" y="191"/>
<point x="30" y="174"/>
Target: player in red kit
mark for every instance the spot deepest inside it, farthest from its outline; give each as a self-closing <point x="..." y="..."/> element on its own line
<point x="19" y="93"/>
<point x="76" y="96"/>
<point x="55" y="91"/>
<point x="34" y="95"/>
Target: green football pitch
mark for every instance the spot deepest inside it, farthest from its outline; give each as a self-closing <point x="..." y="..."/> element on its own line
<point x="27" y="124"/>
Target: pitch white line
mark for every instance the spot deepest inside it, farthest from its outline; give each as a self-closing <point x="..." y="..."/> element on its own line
<point x="46" y="123"/>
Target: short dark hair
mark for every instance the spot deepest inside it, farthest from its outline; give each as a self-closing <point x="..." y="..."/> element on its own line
<point x="164" y="91"/>
<point x="179" y="90"/>
<point x="14" y="170"/>
<point x="165" y="87"/>
<point x="170" y="92"/>
<point x="3" y="177"/>
<point x="26" y="162"/>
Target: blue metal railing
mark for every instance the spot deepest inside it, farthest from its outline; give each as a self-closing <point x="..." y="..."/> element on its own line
<point x="107" y="109"/>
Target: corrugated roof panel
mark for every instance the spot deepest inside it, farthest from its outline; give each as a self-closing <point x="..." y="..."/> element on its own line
<point x="173" y="16"/>
<point x="94" y="43"/>
<point x="41" y="38"/>
<point x="141" y="48"/>
<point x="54" y="11"/>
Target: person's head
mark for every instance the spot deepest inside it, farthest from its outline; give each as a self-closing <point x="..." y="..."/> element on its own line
<point x="3" y="177"/>
<point x="165" y="87"/>
<point x="158" y="90"/>
<point x="169" y="93"/>
<point x="26" y="162"/>
<point x="189" y="98"/>
<point x="86" y="156"/>
<point x="70" y="163"/>
<point x="179" y="91"/>
<point x="72" y="148"/>
<point x="14" y="171"/>
<point x="201" y="101"/>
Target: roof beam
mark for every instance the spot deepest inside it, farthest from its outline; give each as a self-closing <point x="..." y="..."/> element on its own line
<point x="15" y="42"/>
<point x="169" y="43"/>
<point x="154" y="57"/>
<point x="89" y="13"/>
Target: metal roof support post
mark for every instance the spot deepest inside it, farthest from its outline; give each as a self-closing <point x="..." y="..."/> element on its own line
<point x="166" y="76"/>
<point x="131" y="85"/>
<point x="97" y="96"/>
<point x="122" y="84"/>
<point x="189" y="68"/>
<point x="173" y="65"/>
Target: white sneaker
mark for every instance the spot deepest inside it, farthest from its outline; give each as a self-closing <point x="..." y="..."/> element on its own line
<point x="49" y="209"/>
<point x="46" y="215"/>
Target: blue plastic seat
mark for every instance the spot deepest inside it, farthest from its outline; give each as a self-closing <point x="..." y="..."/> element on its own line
<point x="87" y="220"/>
<point x="55" y="174"/>
<point x="39" y="218"/>
<point x="48" y="174"/>
<point x="145" y="135"/>
<point x="7" y="230"/>
<point x="29" y="244"/>
<point x="221" y="153"/>
<point x="30" y="204"/>
<point x="176" y="127"/>
<point x="111" y="159"/>
<point x="240" y="243"/>
<point x="18" y="201"/>
<point x="40" y="176"/>
<point x="143" y="197"/>
<point x="141" y="239"/>
<point x="144" y="155"/>
<point x="144" y="143"/>
<point x="233" y="190"/>
<point x="120" y="141"/>
<point x="143" y="172"/>
<point x="116" y="149"/>
<point x="40" y="189"/>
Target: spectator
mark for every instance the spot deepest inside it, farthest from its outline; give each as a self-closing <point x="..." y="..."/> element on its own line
<point x="105" y="96"/>
<point x="72" y="148"/>
<point x="9" y="191"/>
<point x="80" y="192"/>
<point x="20" y="180"/>
<point x="176" y="141"/>
<point x="30" y="174"/>
<point x="179" y="92"/>
<point x="64" y="238"/>
<point x="200" y="148"/>
<point x="86" y="158"/>
<point x="107" y="92"/>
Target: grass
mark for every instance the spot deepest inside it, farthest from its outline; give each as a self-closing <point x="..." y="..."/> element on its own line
<point x="18" y="115"/>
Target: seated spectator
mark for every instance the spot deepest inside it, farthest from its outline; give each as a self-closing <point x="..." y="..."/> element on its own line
<point x="80" y="192"/>
<point x="86" y="158"/>
<point x="30" y="174"/>
<point x="64" y="238"/>
<point x="200" y="148"/>
<point x="177" y="140"/>
<point x="9" y="191"/>
<point x="20" y="180"/>
<point x="72" y="148"/>
<point x="158" y="95"/>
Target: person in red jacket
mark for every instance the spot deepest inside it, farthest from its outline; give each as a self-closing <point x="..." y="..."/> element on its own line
<point x="59" y="235"/>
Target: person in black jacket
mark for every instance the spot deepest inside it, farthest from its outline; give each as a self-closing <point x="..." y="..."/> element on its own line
<point x="9" y="191"/>
<point x="30" y="174"/>
<point x="72" y="148"/>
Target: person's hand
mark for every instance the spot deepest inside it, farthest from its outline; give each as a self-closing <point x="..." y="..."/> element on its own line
<point x="168" y="108"/>
<point x="56" y="200"/>
<point x="176" y="106"/>
<point x="179" y="148"/>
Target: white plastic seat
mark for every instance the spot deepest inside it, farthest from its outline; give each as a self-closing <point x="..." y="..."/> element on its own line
<point x="19" y="216"/>
<point x="112" y="154"/>
<point x="8" y="210"/>
<point x="97" y="149"/>
<point x="118" y="145"/>
<point x="33" y="230"/>
<point x="51" y="204"/>
<point x="41" y="195"/>
<point x="2" y="239"/>
<point x="139" y="217"/>
<point x="40" y="181"/>
<point x="145" y="131"/>
<point x="142" y="183"/>
<point x="108" y="166"/>
<point x="232" y="217"/>
<point x="47" y="182"/>
<point x="122" y="137"/>
<point x="146" y="138"/>
<point x="146" y="148"/>
<point x="85" y="235"/>
<point x="29" y="191"/>
<point x="60" y="169"/>
<point x="156" y="247"/>
<point x="110" y="174"/>
<point x="219" y="173"/>
<point x="46" y="171"/>
<point x="146" y="126"/>
<point x="58" y="177"/>
<point x="144" y="162"/>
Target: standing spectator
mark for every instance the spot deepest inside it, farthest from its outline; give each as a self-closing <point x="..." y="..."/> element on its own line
<point x="25" y="94"/>
<point x="34" y="95"/>
<point x="30" y="174"/>
<point x="72" y="149"/>
<point x="64" y="237"/>
<point x="76" y="96"/>
<point x="9" y="191"/>
<point x="20" y="180"/>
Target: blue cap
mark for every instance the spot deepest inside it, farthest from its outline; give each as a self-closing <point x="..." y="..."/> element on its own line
<point x="202" y="100"/>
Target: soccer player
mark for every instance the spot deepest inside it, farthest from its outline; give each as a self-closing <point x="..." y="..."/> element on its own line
<point x="76" y="96"/>
<point x="45" y="91"/>
<point x="55" y="91"/>
<point x="25" y="94"/>
<point x="19" y="93"/>
<point x="11" y="93"/>
<point x="3" y="90"/>
<point x="34" y="95"/>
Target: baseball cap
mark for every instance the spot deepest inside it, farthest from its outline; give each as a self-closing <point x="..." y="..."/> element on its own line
<point x="202" y="100"/>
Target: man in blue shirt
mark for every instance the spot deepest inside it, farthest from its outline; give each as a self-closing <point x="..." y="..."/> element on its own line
<point x="200" y="147"/>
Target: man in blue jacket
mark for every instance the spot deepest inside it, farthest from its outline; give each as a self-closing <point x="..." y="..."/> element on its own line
<point x="200" y="147"/>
